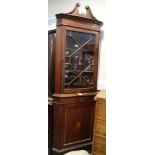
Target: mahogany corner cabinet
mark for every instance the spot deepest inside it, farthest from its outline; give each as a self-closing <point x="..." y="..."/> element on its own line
<point x="73" y="49"/>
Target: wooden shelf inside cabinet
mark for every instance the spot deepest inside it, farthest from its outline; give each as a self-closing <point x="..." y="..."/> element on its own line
<point x="78" y="71"/>
<point x="88" y="71"/>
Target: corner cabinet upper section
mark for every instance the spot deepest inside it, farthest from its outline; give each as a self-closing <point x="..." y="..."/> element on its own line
<point x="77" y="46"/>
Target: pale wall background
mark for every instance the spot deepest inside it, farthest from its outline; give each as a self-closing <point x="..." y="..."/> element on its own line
<point x="98" y="10"/>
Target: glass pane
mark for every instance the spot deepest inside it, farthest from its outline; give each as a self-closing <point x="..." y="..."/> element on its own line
<point x="79" y="60"/>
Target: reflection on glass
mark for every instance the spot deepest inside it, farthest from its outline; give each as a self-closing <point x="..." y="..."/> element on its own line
<point x="79" y="60"/>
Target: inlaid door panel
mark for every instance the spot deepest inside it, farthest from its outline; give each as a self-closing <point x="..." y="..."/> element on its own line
<point x="78" y="123"/>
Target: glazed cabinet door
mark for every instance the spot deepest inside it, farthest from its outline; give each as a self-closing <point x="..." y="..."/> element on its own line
<point x="79" y="57"/>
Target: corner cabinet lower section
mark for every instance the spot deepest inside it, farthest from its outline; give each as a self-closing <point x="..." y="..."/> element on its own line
<point x="73" y="119"/>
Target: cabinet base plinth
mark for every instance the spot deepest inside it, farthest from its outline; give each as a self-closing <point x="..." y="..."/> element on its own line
<point x="87" y="147"/>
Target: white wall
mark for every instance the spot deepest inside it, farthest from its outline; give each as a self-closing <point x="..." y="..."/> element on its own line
<point x="98" y="10"/>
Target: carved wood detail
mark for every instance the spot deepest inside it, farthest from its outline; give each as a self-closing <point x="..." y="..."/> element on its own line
<point x="89" y="13"/>
<point x="75" y="13"/>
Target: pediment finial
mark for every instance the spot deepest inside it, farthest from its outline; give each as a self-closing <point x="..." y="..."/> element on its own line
<point x="75" y="11"/>
<point x="89" y="13"/>
<point x="87" y="16"/>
